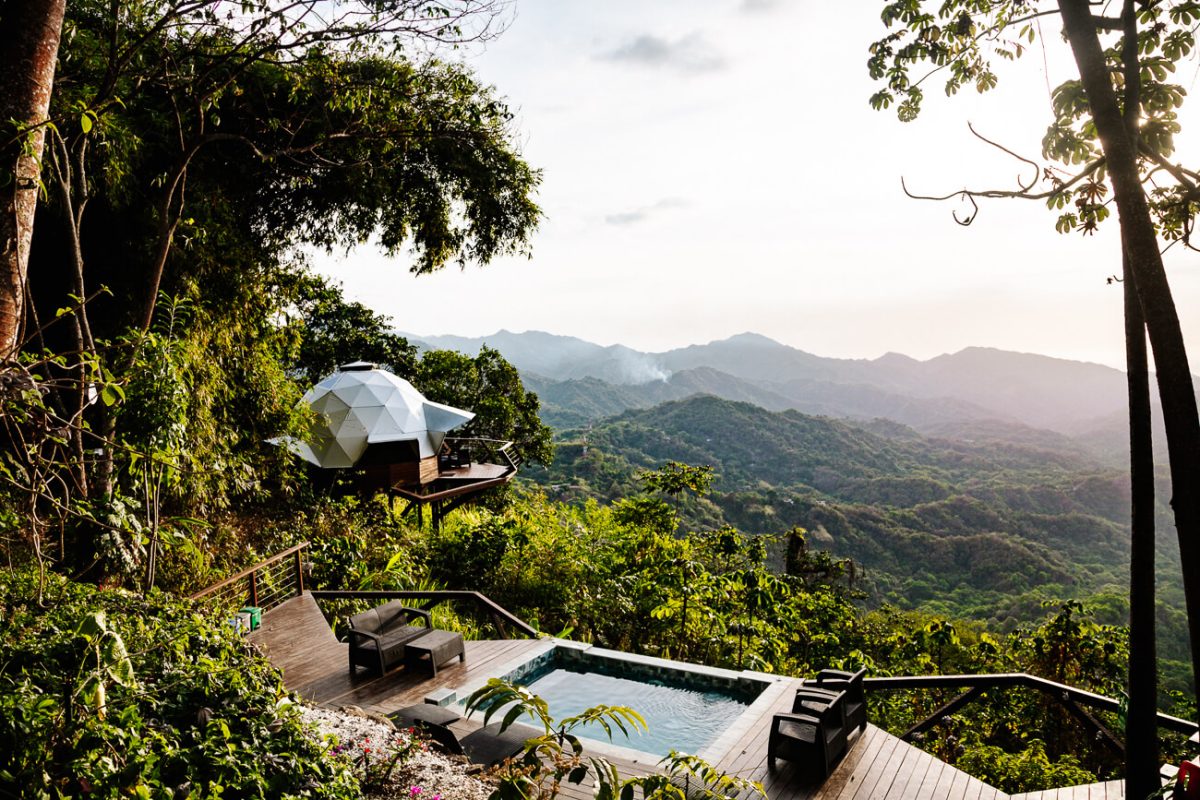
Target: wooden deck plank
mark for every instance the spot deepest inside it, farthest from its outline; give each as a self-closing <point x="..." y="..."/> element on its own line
<point x="991" y="793"/>
<point x="1107" y="790"/>
<point x="886" y="775"/>
<point x="932" y="776"/>
<point x="864" y="781"/>
<point x="945" y="781"/>
<point x="847" y="778"/>
<point x="958" y="787"/>
<point x="907" y="785"/>
<point x="975" y="789"/>
<point x="895" y="777"/>
<point x="862" y="749"/>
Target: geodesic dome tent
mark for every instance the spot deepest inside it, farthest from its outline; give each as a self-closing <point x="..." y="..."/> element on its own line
<point x="369" y="415"/>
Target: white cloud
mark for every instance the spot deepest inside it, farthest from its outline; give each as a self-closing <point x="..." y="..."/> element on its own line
<point x="693" y="53"/>
<point x="645" y="212"/>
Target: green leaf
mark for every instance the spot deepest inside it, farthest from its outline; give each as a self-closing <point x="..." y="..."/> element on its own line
<point x="513" y="714"/>
<point x="92" y="625"/>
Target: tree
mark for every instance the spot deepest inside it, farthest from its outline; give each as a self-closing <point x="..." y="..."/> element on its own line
<point x="491" y="387"/>
<point x="29" y="38"/>
<point x="1114" y="124"/>
<point x="332" y="133"/>
<point x="674" y="477"/>
<point x="335" y="331"/>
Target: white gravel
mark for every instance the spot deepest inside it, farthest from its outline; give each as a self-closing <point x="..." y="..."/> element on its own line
<point x="370" y="741"/>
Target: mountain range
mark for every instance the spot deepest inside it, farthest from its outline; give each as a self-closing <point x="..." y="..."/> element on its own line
<point x="980" y="483"/>
<point x="976" y="393"/>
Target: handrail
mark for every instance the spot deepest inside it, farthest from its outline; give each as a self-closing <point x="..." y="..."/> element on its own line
<point x="252" y="572"/>
<point x="1067" y="695"/>
<point x="502" y="446"/>
<point x="477" y="439"/>
<point x="500" y="615"/>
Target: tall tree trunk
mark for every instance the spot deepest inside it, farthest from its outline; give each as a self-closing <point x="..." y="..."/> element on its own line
<point x="1141" y="725"/>
<point x="29" y="35"/>
<point x="1149" y="278"/>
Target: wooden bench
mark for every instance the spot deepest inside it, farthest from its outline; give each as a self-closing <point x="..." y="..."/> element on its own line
<point x="378" y="637"/>
<point x="433" y="650"/>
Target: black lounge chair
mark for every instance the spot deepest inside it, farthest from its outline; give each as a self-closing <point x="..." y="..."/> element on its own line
<point x="378" y="636"/>
<point x="488" y="745"/>
<point x="837" y="680"/>
<point x="813" y="737"/>
<point x="423" y="714"/>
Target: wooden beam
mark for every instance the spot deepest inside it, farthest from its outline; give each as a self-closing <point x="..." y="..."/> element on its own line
<point x="946" y="710"/>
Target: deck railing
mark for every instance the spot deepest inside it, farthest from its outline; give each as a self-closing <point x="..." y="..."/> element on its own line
<point x="1075" y="701"/>
<point x="281" y="577"/>
<point x="501" y="617"/>
<point x="498" y="450"/>
<point x="266" y="584"/>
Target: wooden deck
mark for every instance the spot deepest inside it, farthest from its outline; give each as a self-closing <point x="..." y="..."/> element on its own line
<point x="879" y="766"/>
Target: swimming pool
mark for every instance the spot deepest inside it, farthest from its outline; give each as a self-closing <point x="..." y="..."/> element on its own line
<point x="676" y="718"/>
<point x="686" y="706"/>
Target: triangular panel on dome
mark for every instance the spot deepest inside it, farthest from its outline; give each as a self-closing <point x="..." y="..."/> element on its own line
<point x="341" y="379"/>
<point x="369" y="416"/>
<point x="382" y="393"/>
<point x="355" y="394"/>
<point x="441" y="417"/>
<point x="327" y="402"/>
<point x="399" y="418"/>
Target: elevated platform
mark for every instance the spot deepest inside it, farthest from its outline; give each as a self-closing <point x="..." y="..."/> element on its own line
<point x="879" y="766"/>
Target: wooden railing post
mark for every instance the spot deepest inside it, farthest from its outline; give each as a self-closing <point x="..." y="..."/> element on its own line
<point x="254" y="588"/>
<point x="299" y="573"/>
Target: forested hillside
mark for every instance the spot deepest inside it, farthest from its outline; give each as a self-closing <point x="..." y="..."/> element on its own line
<point x="985" y="529"/>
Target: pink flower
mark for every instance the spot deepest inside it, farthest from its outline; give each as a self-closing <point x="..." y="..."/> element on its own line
<point x="414" y="791"/>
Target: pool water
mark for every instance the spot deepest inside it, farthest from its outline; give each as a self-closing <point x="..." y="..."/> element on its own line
<point x="681" y="719"/>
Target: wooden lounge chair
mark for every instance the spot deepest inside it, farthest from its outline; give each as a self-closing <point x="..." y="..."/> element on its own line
<point x="378" y="636"/>
<point x="813" y="738"/>
<point x="837" y="680"/>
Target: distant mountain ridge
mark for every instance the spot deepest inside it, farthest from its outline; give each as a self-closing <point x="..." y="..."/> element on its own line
<point x="976" y="388"/>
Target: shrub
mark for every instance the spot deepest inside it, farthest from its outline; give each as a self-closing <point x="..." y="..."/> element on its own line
<point x="107" y="695"/>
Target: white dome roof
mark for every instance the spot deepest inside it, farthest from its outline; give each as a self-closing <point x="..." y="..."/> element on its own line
<point x="361" y="406"/>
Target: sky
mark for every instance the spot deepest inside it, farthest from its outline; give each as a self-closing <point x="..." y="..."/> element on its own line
<point x="712" y="167"/>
